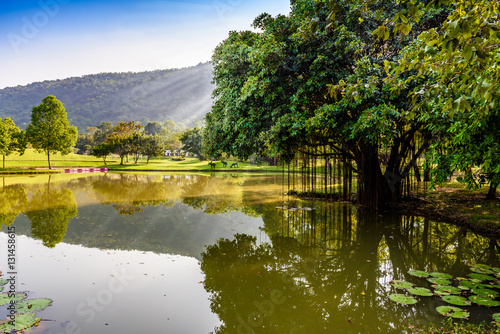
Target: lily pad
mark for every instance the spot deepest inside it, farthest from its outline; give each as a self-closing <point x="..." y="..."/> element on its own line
<point x="33" y="305"/>
<point x="23" y="321"/>
<point x="485" y="301"/>
<point x="420" y="291"/>
<point x="481" y="271"/>
<point x="3" y="281"/>
<point x="456" y="300"/>
<point x="418" y="273"/>
<point x="496" y="317"/>
<point x="453" y="312"/>
<point x="400" y="284"/>
<point x="442" y="275"/>
<point x="485" y="292"/>
<point x="464" y="288"/>
<point x="452" y="290"/>
<point x="497" y="270"/>
<point x="471" y="284"/>
<point x="1" y="288"/>
<point x="482" y="266"/>
<point x="5" y="298"/>
<point x="439" y="281"/>
<point x="403" y="299"/>
<point x="481" y="277"/>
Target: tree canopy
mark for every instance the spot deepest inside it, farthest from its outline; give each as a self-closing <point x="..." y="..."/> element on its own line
<point x="49" y="130"/>
<point x="313" y="82"/>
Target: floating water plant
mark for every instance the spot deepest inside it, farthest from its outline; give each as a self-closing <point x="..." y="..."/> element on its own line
<point x="484" y="301"/>
<point x="450" y="290"/>
<point x="23" y="321"/>
<point x="441" y="275"/>
<point x="5" y="298"/>
<point x="453" y="312"/>
<point x="481" y="277"/>
<point x="424" y="292"/>
<point x="485" y="292"/>
<point x="401" y="284"/>
<point x="456" y="300"/>
<point x="25" y="310"/>
<point x="403" y="299"/>
<point x="33" y="305"/>
<point x="481" y="287"/>
<point x="439" y="281"/>
<point x="418" y="273"/>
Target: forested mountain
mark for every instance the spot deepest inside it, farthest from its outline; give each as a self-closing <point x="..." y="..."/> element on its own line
<point x="182" y="95"/>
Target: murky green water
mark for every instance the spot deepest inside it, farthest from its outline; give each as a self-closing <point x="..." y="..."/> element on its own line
<point x="126" y="253"/>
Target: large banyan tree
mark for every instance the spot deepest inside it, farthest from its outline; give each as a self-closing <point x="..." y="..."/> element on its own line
<point x="313" y="81"/>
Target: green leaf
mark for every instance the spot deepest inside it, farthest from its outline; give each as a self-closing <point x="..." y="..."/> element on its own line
<point x="484" y="301"/>
<point x="418" y="291"/>
<point x="452" y="290"/>
<point x="496" y="317"/>
<point x="453" y="312"/>
<point x="21" y="323"/>
<point x="456" y="300"/>
<point x="400" y="284"/>
<point x="33" y="305"/>
<point x="5" y="298"/>
<point x="468" y="52"/>
<point x="441" y="275"/>
<point x="418" y="273"/>
<point x="439" y="281"/>
<point x="483" y="292"/>
<point x="3" y="281"/>
<point x="403" y="299"/>
<point x="481" y="277"/>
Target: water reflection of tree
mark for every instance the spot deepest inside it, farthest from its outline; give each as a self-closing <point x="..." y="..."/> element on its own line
<point x="13" y="200"/>
<point x="332" y="268"/>
<point x="130" y="193"/>
<point x="50" y="212"/>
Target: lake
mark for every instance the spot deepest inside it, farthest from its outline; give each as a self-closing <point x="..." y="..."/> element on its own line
<point x="225" y="253"/>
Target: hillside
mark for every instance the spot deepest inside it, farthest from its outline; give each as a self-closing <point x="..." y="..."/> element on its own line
<point x="182" y="95"/>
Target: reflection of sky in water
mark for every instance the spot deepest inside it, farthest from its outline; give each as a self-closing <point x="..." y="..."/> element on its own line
<point x="130" y="291"/>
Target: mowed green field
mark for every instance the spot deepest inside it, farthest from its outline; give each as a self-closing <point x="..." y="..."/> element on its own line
<point x="34" y="160"/>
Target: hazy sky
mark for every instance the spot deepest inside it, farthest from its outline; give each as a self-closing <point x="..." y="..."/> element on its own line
<point x="57" y="39"/>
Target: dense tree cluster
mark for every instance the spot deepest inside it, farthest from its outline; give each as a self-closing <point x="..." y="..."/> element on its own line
<point x="332" y="79"/>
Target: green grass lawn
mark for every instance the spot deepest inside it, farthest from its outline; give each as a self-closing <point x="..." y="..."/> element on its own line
<point x="32" y="162"/>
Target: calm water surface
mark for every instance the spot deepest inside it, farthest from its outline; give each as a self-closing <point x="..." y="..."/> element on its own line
<point x="137" y="253"/>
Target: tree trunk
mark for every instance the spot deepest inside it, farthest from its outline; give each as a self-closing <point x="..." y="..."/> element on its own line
<point x="374" y="192"/>
<point x="492" y="192"/>
<point x="48" y="158"/>
<point x="4" y="161"/>
<point x="121" y="160"/>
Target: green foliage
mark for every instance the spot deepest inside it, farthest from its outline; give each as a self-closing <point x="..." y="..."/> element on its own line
<point x="453" y="312"/>
<point x="153" y="146"/>
<point x="102" y="151"/>
<point x="401" y="284"/>
<point x="11" y="138"/>
<point x="21" y="323"/>
<point x="403" y="299"/>
<point x="192" y="141"/>
<point x="49" y="130"/>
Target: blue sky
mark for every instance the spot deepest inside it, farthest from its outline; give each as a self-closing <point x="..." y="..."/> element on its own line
<point x="57" y="39"/>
